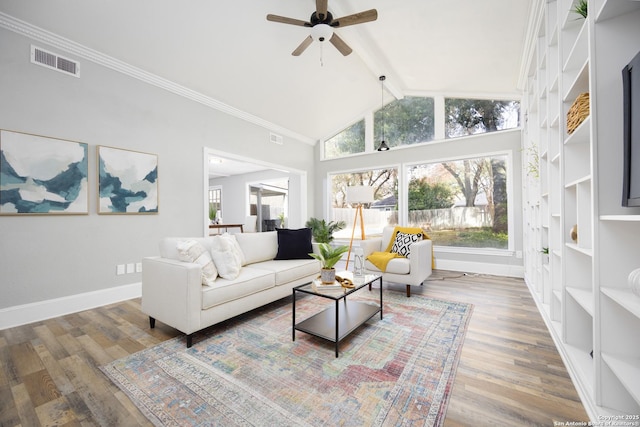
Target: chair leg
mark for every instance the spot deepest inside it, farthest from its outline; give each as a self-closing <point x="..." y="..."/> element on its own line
<point x="408" y="291"/>
<point x="152" y="322"/>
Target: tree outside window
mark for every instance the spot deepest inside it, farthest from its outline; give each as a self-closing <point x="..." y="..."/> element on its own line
<point x="461" y="203"/>
<point x="472" y="116"/>
<point x="349" y="141"/>
<point x="406" y="121"/>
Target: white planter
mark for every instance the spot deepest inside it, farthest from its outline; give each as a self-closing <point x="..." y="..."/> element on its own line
<point x="328" y="275"/>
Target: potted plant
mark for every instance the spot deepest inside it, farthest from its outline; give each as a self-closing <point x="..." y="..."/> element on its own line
<point x="545" y="255"/>
<point x="212" y="213"/>
<point x="328" y="256"/>
<point x="321" y="231"/>
<point x="581" y="8"/>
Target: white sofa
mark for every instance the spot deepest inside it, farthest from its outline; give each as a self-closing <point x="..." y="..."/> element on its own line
<point x="411" y="271"/>
<point x="173" y="293"/>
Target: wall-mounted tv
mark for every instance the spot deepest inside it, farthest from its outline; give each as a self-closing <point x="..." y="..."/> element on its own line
<point x="631" y="166"/>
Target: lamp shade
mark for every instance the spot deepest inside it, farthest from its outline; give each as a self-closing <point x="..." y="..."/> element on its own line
<point x="360" y="194"/>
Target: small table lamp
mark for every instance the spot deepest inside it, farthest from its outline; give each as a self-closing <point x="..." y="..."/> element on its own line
<point x="358" y="195"/>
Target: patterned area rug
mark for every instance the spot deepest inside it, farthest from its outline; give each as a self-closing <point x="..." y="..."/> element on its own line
<point x="249" y="372"/>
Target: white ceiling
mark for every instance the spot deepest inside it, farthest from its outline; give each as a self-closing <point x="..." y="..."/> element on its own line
<point x="229" y="52"/>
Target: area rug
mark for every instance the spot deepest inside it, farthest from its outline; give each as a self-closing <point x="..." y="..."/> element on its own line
<point x="249" y="372"/>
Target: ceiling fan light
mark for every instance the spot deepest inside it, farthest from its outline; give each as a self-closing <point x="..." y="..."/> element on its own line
<point x="321" y="32"/>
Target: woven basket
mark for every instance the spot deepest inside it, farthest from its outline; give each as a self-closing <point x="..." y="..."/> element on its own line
<point x="578" y="111"/>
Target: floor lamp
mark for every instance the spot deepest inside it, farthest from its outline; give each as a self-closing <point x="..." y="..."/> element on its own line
<point x="358" y="195"/>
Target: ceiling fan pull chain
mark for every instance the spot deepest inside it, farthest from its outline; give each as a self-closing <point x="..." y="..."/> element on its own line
<point x="321" y="53"/>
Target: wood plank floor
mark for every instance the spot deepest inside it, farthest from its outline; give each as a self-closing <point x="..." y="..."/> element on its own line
<point x="510" y="373"/>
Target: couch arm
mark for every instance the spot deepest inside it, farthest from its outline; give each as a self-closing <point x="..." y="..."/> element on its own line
<point x="172" y="292"/>
<point x="370" y="245"/>
<point x="420" y="260"/>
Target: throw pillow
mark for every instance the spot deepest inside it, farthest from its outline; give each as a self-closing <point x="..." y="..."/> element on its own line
<point x="192" y="251"/>
<point x="226" y="256"/>
<point x="294" y="244"/>
<point x="403" y="242"/>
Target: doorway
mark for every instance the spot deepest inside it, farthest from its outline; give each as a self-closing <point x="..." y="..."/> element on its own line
<point x="269" y="203"/>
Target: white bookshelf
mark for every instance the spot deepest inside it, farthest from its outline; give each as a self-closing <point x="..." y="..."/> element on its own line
<point x="582" y="292"/>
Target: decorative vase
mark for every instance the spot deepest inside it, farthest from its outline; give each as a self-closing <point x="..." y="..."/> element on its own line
<point x="358" y="262"/>
<point x="634" y="281"/>
<point x="574" y="233"/>
<point x="328" y="275"/>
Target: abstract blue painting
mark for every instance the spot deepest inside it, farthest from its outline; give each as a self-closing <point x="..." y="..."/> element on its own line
<point x="127" y="181"/>
<point x="42" y="175"/>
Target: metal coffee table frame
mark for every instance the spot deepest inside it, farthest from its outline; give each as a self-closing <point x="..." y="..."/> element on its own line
<point x="337" y="321"/>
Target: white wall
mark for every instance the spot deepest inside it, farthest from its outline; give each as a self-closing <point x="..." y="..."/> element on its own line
<point x="491" y="262"/>
<point x="43" y="258"/>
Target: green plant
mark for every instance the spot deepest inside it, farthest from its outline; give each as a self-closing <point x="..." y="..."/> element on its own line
<point x="545" y="251"/>
<point x="329" y="255"/>
<point x="281" y="218"/>
<point x="322" y="231"/>
<point x="580" y="8"/>
<point x="212" y="212"/>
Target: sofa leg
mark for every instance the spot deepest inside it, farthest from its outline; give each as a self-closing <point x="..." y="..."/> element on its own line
<point x="152" y="322"/>
<point x="189" y="340"/>
<point x="408" y="291"/>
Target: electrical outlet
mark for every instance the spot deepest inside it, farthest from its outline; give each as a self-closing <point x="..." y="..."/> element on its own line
<point x="138" y="267"/>
<point x="131" y="268"/>
<point x="120" y="269"/>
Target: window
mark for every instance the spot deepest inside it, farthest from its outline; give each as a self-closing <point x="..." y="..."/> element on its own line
<point x="462" y="202"/>
<point x="382" y="212"/>
<point x="349" y="141"/>
<point x="406" y="121"/>
<point x="215" y="203"/>
<point x="471" y="116"/>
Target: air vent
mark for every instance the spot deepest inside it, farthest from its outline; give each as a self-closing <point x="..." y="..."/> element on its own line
<point x="55" y="62"/>
<point x="276" y="139"/>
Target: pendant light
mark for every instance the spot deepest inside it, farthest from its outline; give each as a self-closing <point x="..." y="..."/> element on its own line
<point x="383" y="145"/>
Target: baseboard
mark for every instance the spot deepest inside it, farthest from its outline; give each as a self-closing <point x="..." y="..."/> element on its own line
<point x="42" y="310"/>
<point x="480" y="267"/>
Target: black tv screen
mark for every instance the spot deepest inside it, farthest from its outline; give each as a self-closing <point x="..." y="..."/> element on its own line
<point x="631" y="166"/>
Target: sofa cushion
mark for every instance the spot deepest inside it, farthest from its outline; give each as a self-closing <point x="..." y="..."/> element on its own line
<point x="395" y="266"/>
<point x="294" y="244"/>
<point x="227" y="256"/>
<point x="169" y="245"/>
<point x="403" y="242"/>
<point x="192" y="251"/>
<point x="258" y="247"/>
<point x="249" y="281"/>
<point x="289" y="270"/>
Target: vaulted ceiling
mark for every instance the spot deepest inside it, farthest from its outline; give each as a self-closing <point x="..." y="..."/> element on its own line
<point x="229" y="52"/>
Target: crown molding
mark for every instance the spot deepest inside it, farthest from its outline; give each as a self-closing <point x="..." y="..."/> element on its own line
<point x="36" y="33"/>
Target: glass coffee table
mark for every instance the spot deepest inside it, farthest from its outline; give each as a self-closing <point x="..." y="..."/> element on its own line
<point x="339" y="319"/>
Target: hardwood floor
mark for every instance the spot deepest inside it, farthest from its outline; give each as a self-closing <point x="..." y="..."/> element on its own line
<point x="510" y="373"/>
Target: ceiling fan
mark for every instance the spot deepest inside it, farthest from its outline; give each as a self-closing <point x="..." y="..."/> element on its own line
<point x="322" y="24"/>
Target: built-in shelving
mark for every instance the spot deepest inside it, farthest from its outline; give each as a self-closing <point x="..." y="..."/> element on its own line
<point x="582" y="290"/>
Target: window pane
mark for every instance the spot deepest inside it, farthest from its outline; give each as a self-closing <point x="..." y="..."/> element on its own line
<point x="461" y="203"/>
<point x="471" y="116"/>
<point x="349" y="141"/>
<point x="406" y="121"/>
<point x="382" y="212"/>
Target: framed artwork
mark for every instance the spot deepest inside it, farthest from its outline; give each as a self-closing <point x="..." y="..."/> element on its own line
<point x="127" y="181"/>
<point x="41" y="175"/>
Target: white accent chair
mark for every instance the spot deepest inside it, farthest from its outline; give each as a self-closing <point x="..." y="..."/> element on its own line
<point x="411" y="271"/>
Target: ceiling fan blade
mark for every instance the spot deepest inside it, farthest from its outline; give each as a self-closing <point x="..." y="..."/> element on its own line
<point x="340" y="45"/>
<point x="301" y="48"/>
<point x="285" y="20"/>
<point x="356" y="18"/>
<point x="321" y="9"/>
